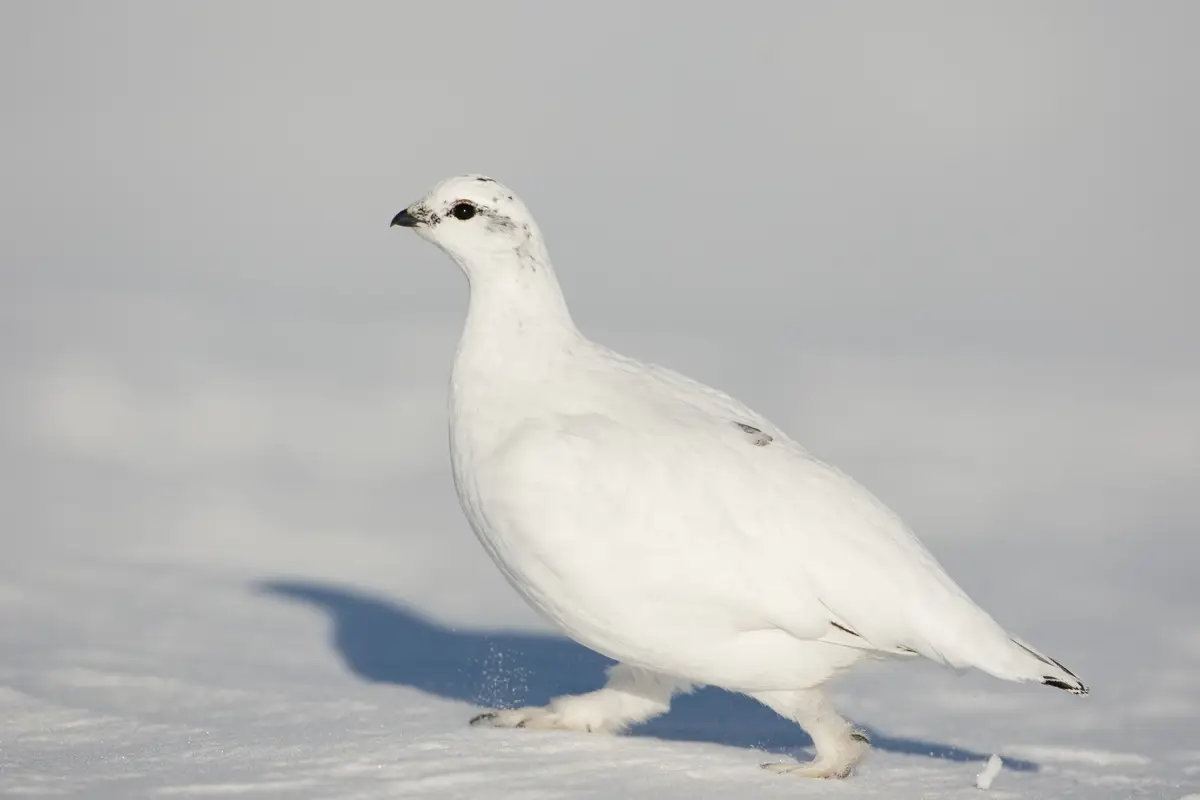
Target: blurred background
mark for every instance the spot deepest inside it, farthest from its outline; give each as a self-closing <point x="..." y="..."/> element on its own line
<point x="950" y="247"/>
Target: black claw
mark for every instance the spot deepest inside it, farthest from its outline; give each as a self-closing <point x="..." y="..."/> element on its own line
<point x="522" y="723"/>
<point x="484" y="717"/>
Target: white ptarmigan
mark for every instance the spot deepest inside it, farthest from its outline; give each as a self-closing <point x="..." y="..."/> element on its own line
<point x="666" y="525"/>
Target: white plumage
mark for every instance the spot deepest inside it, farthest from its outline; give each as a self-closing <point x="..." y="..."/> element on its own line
<point x="664" y="524"/>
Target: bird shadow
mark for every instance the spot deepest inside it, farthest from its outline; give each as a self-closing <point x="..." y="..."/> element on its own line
<point x="385" y="642"/>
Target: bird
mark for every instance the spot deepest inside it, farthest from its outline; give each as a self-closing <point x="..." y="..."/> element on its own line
<point x="664" y="524"/>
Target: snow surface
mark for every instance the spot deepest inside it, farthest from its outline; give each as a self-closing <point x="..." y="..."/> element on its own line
<point x="310" y="617"/>
<point x="128" y="676"/>
<point x="232" y="563"/>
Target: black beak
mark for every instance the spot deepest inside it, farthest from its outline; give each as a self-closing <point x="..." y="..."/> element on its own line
<point x="405" y="219"/>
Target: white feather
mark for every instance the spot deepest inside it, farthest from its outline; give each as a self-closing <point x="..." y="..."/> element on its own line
<point x="660" y="521"/>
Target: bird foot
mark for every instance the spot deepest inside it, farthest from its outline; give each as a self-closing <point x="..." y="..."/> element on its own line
<point x="534" y="717"/>
<point x="813" y="769"/>
<point x="840" y="765"/>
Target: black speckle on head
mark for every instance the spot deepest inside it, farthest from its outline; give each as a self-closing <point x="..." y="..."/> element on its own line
<point x="497" y="222"/>
<point x="484" y="180"/>
<point x="510" y="197"/>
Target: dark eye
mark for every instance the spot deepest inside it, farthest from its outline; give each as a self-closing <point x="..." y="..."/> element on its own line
<point x="463" y="211"/>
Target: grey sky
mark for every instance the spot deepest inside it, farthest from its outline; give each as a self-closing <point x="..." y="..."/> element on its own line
<point x="1008" y="171"/>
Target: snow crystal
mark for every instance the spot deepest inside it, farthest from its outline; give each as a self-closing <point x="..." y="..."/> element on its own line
<point x="990" y="770"/>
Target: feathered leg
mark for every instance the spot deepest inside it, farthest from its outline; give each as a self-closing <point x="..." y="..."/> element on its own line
<point x="630" y="696"/>
<point x="838" y="744"/>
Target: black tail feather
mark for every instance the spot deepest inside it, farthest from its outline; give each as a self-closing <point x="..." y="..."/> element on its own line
<point x="1050" y="680"/>
<point x="1080" y="689"/>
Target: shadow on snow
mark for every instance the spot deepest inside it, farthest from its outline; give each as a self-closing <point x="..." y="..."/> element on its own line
<point x="385" y="642"/>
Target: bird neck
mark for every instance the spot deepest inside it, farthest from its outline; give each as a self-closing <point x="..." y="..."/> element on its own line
<point x="518" y="326"/>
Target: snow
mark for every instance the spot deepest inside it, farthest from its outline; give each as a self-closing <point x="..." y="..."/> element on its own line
<point x="226" y="652"/>
<point x="232" y="562"/>
<point x="989" y="772"/>
<point x="1066" y="755"/>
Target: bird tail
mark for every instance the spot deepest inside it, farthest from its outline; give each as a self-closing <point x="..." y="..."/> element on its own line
<point x="1035" y="666"/>
<point x="995" y="651"/>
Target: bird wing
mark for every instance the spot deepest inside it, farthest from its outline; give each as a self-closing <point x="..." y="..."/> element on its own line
<point x="830" y="560"/>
